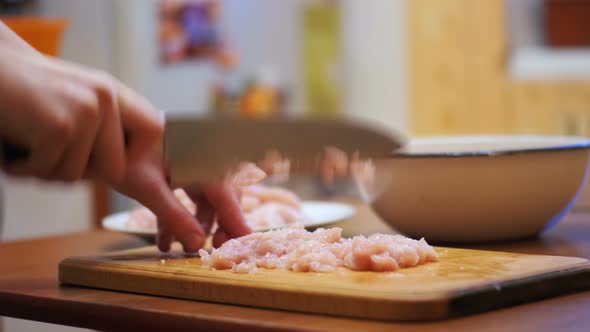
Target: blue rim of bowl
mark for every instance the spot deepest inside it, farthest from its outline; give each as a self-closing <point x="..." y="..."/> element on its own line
<point x="584" y="143"/>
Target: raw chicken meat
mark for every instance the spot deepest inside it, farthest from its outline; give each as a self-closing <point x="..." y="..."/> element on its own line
<point x="275" y="165"/>
<point x="264" y="207"/>
<point x="323" y="250"/>
<point x="335" y="164"/>
<point x="272" y="215"/>
<point x="270" y="207"/>
<point x="142" y="219"/>
<point x="362" y="171"/>
<point x="266" y="194"/>
<point x="246" y="174"/>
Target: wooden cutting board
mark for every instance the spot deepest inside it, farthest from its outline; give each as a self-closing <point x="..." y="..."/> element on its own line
<point x="463" y="282"/>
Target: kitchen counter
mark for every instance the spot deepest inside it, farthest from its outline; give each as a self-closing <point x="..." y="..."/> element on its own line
<point x="29" y="290"/>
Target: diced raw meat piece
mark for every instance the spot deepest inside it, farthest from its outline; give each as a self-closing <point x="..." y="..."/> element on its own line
<point x="245" y="175"/>
<point x="142" y="219"/>
<point x="249" y="202"/>
<point x="264" y="207"/>
<point x="273" y="215"/>
<point x="272" y="194"/>
<point x="323" y="250"/>
<point x="275" y="165"/>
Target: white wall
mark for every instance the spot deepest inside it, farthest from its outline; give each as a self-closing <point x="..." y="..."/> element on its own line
<point x="266" y="35"/>
<point x="88" y="37"/>
<point x="263" y="32"/>
<point x="35" y="209"/>
<point x="525" y="23"/>
<point x="181" y="87"/>
<point x="374" y="61"/>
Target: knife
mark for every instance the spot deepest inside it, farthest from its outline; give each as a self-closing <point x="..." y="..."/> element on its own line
<point x="199" y="149"/>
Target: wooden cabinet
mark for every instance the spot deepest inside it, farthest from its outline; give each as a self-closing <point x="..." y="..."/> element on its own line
<point x="566" y="23"/>
<point x="459" y="78"/>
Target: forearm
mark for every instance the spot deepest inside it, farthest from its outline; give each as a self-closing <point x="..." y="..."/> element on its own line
<point x="8" y="37"/>
<point x="11" y="94"/>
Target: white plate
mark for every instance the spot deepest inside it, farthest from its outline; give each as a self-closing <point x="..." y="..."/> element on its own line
<point x="319" y="214"/>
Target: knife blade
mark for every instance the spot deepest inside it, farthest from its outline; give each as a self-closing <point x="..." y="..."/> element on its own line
<point x="198" y="149"/>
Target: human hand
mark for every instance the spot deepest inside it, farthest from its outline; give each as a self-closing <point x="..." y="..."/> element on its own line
<point x="70" y="119"/>
<point x="215" y="201"/>
<point x="8" y="37"/>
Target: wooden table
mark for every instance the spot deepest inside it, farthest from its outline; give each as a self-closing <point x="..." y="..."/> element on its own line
<point x="29" y="290"/>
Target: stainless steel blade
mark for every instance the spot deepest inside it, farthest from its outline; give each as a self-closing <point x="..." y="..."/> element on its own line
<point x="198" y="149"/>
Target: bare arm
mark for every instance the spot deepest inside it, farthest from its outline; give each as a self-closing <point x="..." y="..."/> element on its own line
<point x="72" y="118"/>
<point x="8" y="37"/>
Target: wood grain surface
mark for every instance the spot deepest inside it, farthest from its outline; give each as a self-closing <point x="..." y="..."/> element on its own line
<point x="463" y="281"/>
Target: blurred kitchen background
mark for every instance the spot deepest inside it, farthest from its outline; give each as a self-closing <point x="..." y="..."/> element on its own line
<point x="425" y="67"/>
<point x="422" y="67"/>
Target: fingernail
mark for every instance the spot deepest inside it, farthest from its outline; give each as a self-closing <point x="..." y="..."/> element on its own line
<point x="163" y="245"/>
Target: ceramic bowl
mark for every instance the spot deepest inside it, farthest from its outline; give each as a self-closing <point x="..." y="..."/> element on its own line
<point x="474" y="189"/>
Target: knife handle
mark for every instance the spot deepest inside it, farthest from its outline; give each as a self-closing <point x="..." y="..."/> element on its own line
<point x="10" y="153"/>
